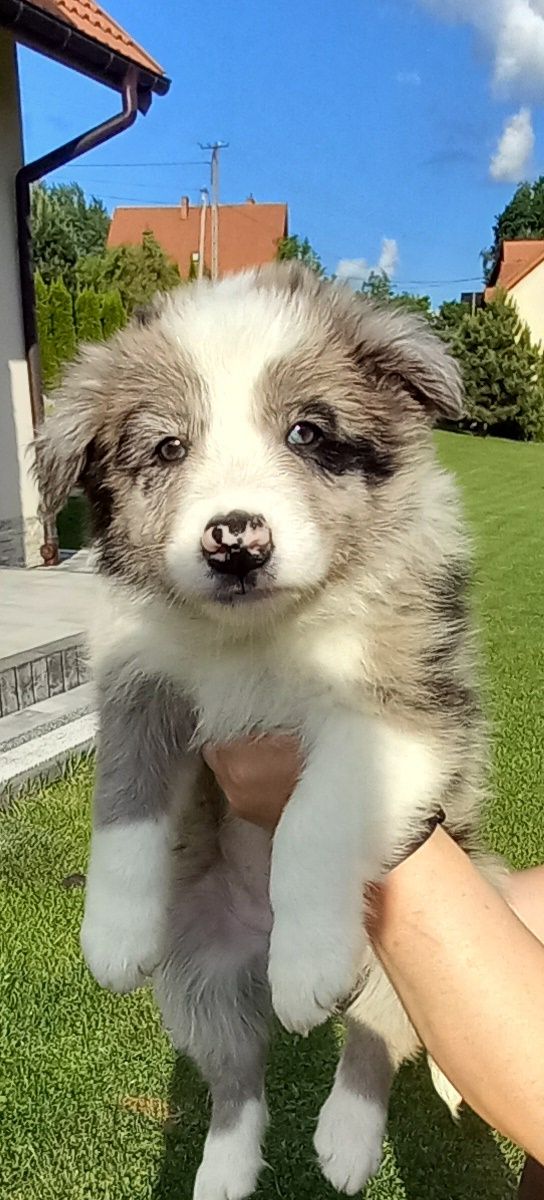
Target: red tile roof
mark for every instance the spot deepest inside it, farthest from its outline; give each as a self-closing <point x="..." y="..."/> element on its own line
<point x="90" y="19"/>
<point x="518" y="257"/>
<point x="248" y="233"/>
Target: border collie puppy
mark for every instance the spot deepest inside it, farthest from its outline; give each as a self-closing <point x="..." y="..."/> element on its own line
<point x="278" y="550"/>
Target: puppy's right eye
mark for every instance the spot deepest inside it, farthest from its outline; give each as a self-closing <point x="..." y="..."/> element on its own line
<point x="170" y="450"/>
<point x="304" y="433"/>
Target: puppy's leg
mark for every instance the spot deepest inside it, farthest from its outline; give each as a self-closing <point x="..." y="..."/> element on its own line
<point x="351" y="1126"/>
<point x="213" y="994"/>
<point x="142" y="767"/>
<point x="321" y="855"/>
<point x="353" y="1120"/>
<point x="364" y="792"/>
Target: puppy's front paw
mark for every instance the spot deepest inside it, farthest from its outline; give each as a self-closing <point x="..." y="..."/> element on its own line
<point x="122" y="946"/>
<point x="309" y="977"/>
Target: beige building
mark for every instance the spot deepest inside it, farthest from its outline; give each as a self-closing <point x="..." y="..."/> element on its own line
<point x="80" y="35"/>
<point x="520" y="273"/>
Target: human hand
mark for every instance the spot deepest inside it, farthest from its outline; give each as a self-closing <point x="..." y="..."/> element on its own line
<point x="257" y="775"/>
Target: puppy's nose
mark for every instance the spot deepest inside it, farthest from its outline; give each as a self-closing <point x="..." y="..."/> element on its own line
<point x="237" y="543"/>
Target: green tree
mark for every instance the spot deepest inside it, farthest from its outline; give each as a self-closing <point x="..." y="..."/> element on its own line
<point x="451" y="313"/>
<point x="295" y="247"/>
<point x="62" y="322"/>
<point x="112" y="313"/>
<point x="503" y="372"/>
<point x="523" y="217"/>
<point x="379" y="287"/>
<point x="88" y="323"/>
<point x="65" y="227"/>
<point x="137" y="272"/>
<point x="416" y="304"/>
<point x="49" y="361"/>
<point x="530" y="419"/>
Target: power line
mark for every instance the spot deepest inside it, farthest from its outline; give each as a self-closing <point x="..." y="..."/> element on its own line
<point x="190" y="162"/>
<point x="142" y="202"/>
<point x="96" y="182"/>
<point x="415" y="282"/>
<point x="437" y="282"/>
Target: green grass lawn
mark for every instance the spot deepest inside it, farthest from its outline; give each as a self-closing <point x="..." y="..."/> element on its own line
<point x="93" y="1105"/>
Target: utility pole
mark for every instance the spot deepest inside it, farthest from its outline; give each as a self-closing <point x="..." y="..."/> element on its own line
<point x="204" y="197"/>
<point x="215" y="148"/>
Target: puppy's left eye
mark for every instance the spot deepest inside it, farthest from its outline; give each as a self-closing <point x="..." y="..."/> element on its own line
<point x="170" y="450"/>
<point x="304" y="433"/>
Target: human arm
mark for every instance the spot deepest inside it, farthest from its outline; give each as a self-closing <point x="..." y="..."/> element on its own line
<point x="471" y="977"/>
<point x="467" y="970"/>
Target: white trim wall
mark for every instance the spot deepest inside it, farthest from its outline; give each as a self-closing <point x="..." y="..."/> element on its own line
<point x="20" y="529"/>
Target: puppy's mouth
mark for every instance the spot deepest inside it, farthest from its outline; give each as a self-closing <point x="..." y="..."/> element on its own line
<point x="248" y="590"/>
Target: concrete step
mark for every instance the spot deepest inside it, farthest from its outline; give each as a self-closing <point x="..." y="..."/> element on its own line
<point x="20" y="726"/>
<point x="33" y="676"/>
<point x="38" y="740"/>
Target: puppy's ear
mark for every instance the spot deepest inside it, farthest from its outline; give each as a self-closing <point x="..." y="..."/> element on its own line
<point x="64" y="444"/>
<point x="403" y="346"/>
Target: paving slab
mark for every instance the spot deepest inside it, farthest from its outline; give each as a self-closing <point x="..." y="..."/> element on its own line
<point x="46" y="704"/>
<point x="44" y="605"/>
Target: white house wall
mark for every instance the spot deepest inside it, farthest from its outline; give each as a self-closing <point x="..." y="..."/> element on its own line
<point x="20" y="529"/>
<point x="529" y="297"/>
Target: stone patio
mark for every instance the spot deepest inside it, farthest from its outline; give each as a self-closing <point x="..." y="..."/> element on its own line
<point x="44" y="604"/>
<point x="46" y="700"/>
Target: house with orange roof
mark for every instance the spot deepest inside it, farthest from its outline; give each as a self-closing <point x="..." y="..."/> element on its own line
<point x="81" y="36"/>
<point x="248" y="234"/>
<point x="519" y="272"/>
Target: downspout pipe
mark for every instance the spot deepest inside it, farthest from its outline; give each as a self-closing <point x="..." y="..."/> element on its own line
<point x="133" y="101"/>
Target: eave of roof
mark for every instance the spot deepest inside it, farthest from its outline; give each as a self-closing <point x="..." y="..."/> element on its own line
<point x="514" y="271"/>
<point x="41" y="31"/>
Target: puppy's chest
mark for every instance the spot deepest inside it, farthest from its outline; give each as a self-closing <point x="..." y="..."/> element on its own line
<point x="247" y="690"/>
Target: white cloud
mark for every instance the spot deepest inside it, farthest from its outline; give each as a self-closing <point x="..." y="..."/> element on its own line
<point x="512" y="157"/>
<point x="389" y="257"/>
<point x="512" y="31"/>
<point x="353" y="270"/>
<point x="356" y="270"/>
<point x="409" y="78"/>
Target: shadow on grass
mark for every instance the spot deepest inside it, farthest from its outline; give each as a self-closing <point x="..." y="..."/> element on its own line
<point x="438" y="1158"/>
<point x="428" y="1157"/>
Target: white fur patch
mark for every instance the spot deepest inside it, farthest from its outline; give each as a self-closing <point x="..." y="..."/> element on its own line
<point x="232" y="1160"/>
<point x="362" y="788"/>
<point x="122" y="931"/>
<point x="348" y="1140"/>
<point x="232" y="332"/>
<point x="233" y="329"/>
<point x="319" y="865"/>
<point x="447" y="1092"/>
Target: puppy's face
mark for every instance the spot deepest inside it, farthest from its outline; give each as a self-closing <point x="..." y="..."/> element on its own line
<point x="244" y="445"/>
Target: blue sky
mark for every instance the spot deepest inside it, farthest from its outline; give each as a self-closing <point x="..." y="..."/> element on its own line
<point x="373" y="119"/>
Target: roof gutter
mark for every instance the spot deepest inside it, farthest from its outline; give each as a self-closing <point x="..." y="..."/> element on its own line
<point x="30" y="173"/>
